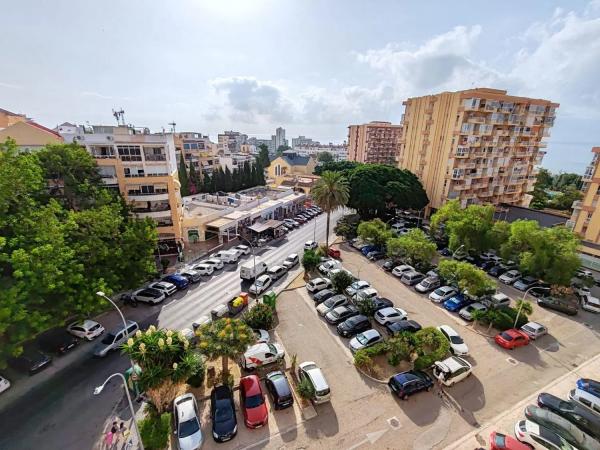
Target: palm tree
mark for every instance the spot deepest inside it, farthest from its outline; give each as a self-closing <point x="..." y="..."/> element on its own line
<point x="330" y="193"/>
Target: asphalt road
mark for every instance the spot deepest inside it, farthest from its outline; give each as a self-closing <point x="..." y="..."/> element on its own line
<point x="62" y="413"/>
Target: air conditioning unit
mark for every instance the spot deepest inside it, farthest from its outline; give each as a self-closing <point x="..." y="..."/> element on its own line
<point x="110" y="138"/>
<point x="78" y="138"/>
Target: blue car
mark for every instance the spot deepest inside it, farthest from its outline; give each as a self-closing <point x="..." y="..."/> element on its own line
<point x="589" y="386"/>
<point x="179" y="281"/>
<point x="368" y="248"/>
<point x="457" y="302"/>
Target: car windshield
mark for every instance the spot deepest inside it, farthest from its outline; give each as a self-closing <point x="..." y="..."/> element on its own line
<point x="108" y="339"/>
<point x="188" y="427"/>
<point x="362" y="339"/>
<point x="506" y="336"/>
<point x="456" y="340"/>
<point x="254" y="401"/>
<point x="330" y="302"/>
<point x="223" y="411"/>
<point x="440" y="291"/>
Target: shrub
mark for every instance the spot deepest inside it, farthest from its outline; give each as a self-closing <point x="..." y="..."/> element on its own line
<point x="305" y="389"/>
<point x="377" y="349"/>
<point x="155" y="430"/>
<point x="259" y="316"/>
<point x="365" y="306"/>
<point x="431" y="347"/>
<point x="400" y="348"/>
<point x="362" y="360"/>
<point x="341" y="280"/>
<point x="310" y="260"/>
<point x="198" y="376"/>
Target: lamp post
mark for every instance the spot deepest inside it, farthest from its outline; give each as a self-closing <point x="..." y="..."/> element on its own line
<point x="99" y="389"/>
<point x="523" y="301"/>
<point x="253" y="257"/>
<point x="457" y="250"/>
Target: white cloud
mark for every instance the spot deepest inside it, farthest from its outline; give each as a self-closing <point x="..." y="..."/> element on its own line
<point x="10" y="85"/>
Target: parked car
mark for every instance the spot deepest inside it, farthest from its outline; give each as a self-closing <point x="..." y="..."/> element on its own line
<point x="487" y="256"/>
<point x="291" y="261"/>
<point x="115" y="338"/>
<point x="486" y="265"/>
<point x="399" y="271"/>
<point x="375" y="255"/>
<point x="366" y="249"/>
<point x="428" y="284"/>
<point x="4" y="384"/>
<point x="334" y="272"/>
<point x="187" y="422"/>
<point x="535" y="435"/>
<point x="334" y="253"/>
<point x="499" y="269"/>
<point x="510" y="276"/>
<point x="310" y="371"/>
<point x="291" y="222"/>
<point x="412" y="278"/>
<point x="457" y="302"/>
<point x="578" y="415"/>
<point x="451" y="370"/>
<point x="499" y="441"/>
<point x="357" y="286"/>
<point x="496" y="301"/>
<point x="467" y="312"/>
<point x="556" y="304"/>
<point x="262" y="336"/>
<point x="380" y="303"/>
<point x="260" y="285"/>
<point x="331" y="303"/>
<point x="341" y="313"/>
<point x="203" y="269"/>
<point x="589" y="385"/>
<point x="242" y="249"/>
<point x="525" y="283"/>
<point x="30" y="361"/>
<point x="227" y="256"/>
<point x="365" y="339"/>
<point x="300" y="220"/>
<point x="222" y="413"/>
<point x="409" y="326"/>
<point x="366" y="294"/>
<point x="57" y="341"/>
<point x="405" y="384"/>
<point x="193" y="276"/>
<point x="178" y="280"/>
<point x="310" y="245"/>
<point x="165" y="287"/>
<point x="442" y="294"/>
<point x="279" y="389"/>
<point x="259" y="355"/>
<point x="252" y="402"/>
<point x="216" y="263"/>
<point x="86" y="329"/>
<point x="590" y="303"/>
<point x="389" y="265"/>
<point x="457" y="344"/>
<point x="201" y="321"/>
<point x="586" y="399"/>
<point x="511" y="339"/>
<point x="392" y="314"/>
<point x="328" y="265"/>
<point x="276" y="272"/>
<point x="354" y="325"/>
<point x="317" y="284"/>
<point x="534" y="330"/>
<point x="323" y="295"/>
<point x="445" y="251"/>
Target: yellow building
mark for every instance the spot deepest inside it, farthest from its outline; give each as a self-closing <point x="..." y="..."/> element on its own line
<point x="28" y="134"/>
<point x="478" y="145"/>
<point x="292" y="170"/>
<point x="585" y="219"/>
<point x="8" y="118"/>
<point x="374" y="142"/>
<point x="197" y="150"/>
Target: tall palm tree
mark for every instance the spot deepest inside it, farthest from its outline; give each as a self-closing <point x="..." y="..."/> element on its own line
<point x="330" y="193"/>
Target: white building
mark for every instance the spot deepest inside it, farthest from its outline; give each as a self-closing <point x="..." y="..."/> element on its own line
<point x="303" y="141"/>
<point x="235" y="161"/>
<point x="338" y="151"/>
<point x="231" y="142"/>
<point x="279" y="138"/>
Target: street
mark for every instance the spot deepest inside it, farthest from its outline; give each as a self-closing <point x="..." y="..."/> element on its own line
<point x="62" y="413"/>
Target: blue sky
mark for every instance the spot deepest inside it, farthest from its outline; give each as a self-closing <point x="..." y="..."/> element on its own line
<point x="313" y="67"/>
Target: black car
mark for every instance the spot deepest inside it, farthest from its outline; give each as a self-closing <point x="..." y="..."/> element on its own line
<point x="30" y="361"/>
<point x="57" y="341"/>
<point x="389" y="265"/>
<point x="380" y="303"/>
<point x="405" y="384"/>
<point x="540" y="291"/>
<point x="354" y="325"/>
<point x="323" y="295"/>
<point x="498" y="270"/>
<point x="279" y="389"/>
<point x="410" y="326"/>
<point x="341" y="313"/>
<point x="579" y="416"/>
<point x="445" y="251"/>
<point x="222" y="413"/>
<point x="563" y="306"/>
<point x="375" y="255"/>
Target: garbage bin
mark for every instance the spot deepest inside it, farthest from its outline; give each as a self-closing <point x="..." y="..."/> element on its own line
<point x="270" y="298"/>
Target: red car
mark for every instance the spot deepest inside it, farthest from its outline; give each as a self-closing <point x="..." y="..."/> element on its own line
<point x="334" y="253"/>
<point x="499" y="441"/>
<point x="511" y="339"/>
<point x="253" y="403"/>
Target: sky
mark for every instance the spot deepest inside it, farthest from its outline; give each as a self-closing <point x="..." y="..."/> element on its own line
<point x="313" y="67"/>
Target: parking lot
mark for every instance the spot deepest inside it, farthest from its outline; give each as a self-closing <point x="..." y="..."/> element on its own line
<point x="363" y="413"/>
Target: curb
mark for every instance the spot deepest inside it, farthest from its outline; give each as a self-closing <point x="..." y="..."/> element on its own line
<point x="376" y="380"/>
<point x="472" y="328"/>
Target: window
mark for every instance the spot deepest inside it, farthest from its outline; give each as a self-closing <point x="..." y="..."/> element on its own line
<point x="130" y="152"/>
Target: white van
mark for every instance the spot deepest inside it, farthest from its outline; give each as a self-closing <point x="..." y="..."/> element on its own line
<point x="247" y="270"/>
<point x="310" y="371"/>
<point x="496" y="301"/>
<point x="262" y="354"/>
<point x="451" y="370"/>
<point x="589" y="303"/>
<point x="114" y="339"/>
<point x="590" y="401"/>
<point x="227" y="256"/>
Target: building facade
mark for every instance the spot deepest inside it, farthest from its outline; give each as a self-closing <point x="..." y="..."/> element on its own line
<point x="303" y="141"/>
<point x="374" y="142"/>
<point x="141" y="165"/>
<point x="585" y="219"/>
<point x="478" y="145"/>
<point x="279" y="138"/>
<point x="235" y="161"/>
<point x="198" y="151"/>
<point x="231" y="142"/>
<point x="338" y="151"/>
<point x="291" y="170"/>
<point x="258" y="142"/>
<point x="28" y="134"/>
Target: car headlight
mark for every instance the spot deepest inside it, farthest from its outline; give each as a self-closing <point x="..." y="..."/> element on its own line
<point x="235" y="429"/>
<point x="215" y="435"/>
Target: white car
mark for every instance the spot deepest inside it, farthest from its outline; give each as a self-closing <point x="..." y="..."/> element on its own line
<point x="262" y="336"/>
<point x="467" y="312"/>
<point x="590" y="303"/>
<point x="310" y="245"/>
<point x="86" y="329"/>
<point x="276" y="272"/>
<point x="291" y="222"/>
<point x="203" y="268"/>
<point x="261" y="284"/>
<point x="318" y="284"/>
<point x="187" y="422"/>
<point x="331" y="303"/>
<point x="364" y="340"/>
<point x="216" y="263"/>
<point x="357" y="286"/>
<point x="457" y="345"/>
<point x="262" y="354"/>
<point x="442" y="294"/>
<point x="538" y="436"/>
<point x="243" y="249"/>
<point x="4" y="384"/>
<point x="510" y="277"/>
<point x="366" y="294"/>
<point x="534" y="330"/>
<point x="328" y="266"/>
<point x="291" y="261"/>
<point x="152" y="295"/>
<point x="398" y="271"/>
<point x="389" y="315"/>
<point x="163" y="286"/>
<point x="192" y="275"/>
<point x="451" y="370"/>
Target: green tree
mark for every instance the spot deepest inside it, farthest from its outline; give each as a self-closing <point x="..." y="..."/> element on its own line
<point x="330" y="192"/>
<point x="345" y="167"/>
<point x="260" y="316"/>
<point x="227" y="180"/>
<point x="402" y="347"/>
<point x="374" y="231"/>
<point x="432" y="346"/>
<point x="247" y="180"/>
<point x="195" y="181"/>
<point x="563" y="181"/>
<point x="415" y="247"/>
<point x="167" y="361"/>
<point x="341" y="280"/>
<point x="544" y="179"/>
<point x="226" y="339"/>
<point x="282" y="148"/>
<point x="466" y="276"/>
<point x="155" y="430"/>
<point x="564" y="200"/>
<point x="325" y="157"/>
<point x="263" y="156"/>
<point x="260" y="176"/>
<point x="184" y="181"/>
<point x="310" y="260"/>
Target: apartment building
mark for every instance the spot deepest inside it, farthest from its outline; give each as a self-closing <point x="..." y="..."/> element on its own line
<point x="258" y="142"/>
<point x="141" y="165"/>
<point x="478" y="145"/>
<point x="374" y="142"/>
<point x="279" y="138"/>
<point x="303" y="141"/>
<point x="231" y="142"/>
<point x="585" y="219"/>
<point x="28" y="135"/>
<point x="338" y="151"/>
<point x="198" y="151"/>
<point x="235" y="161"/>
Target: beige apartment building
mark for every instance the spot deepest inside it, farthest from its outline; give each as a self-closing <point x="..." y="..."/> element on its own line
<point x="585" y="219"/>
<point x="374" y="142"/>
<point x="478" y="145"/>
<point x="142" y="166"/>
<point x="28" y="135"/>
<point x="198" y="151"/>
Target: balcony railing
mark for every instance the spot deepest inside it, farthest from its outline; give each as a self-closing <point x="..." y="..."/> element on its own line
<point x="166" y="207"/>
<point x="104" y="155"/>
<point x="155" y="192"/>
<point x="155" y="157"/>
<point x="141" y="175"/>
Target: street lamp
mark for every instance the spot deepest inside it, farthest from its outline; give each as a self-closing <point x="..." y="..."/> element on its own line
<point x="457" y="250"/>
<point x="253" y="257"/>
<point x="523" y="301"/>
<point x="98" y="390"/>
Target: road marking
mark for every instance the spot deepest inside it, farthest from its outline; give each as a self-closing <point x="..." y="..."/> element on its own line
<point x="512" y="361"/>
<point x="371" y="438"/>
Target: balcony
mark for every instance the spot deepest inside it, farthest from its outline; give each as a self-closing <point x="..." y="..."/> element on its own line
<point x="104" y="155"/>
<point x="155" y="214"/>
<point x="577" y="204"/>
<point x="155" y="157"/>
<point x="143" y="196"/>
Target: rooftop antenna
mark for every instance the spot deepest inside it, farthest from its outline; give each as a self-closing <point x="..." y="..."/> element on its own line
<point x="120" y="116"/>
<point x="172" y="126"/>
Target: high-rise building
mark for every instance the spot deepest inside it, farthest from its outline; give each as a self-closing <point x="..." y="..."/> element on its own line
<point x="279" y="138"/>
<point x="258" y="142"/>
<point x="585" y="219"/>
<point x="303" y="141"/>
<point x="141" y="165"/>
<point x="231" y="142"/>
<point x="374" y="142"/>
<point x="478" y="145"/>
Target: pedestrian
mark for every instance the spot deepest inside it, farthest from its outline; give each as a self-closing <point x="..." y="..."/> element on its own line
<point x="108" y="439"/>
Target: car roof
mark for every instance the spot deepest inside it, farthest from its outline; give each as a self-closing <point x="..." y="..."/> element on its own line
<point x="371" y="333"/>
<point x="453" y="363"/>
<point x="221" y="392"/>
<point x="389" y="310"/>
<point x="448" y="329"/>
<point x="534" y="325"/>
<point x="293" y="255"/>
<point x="184" y="405"/>
<point x="251" y="384"/>
<point x="409" y="375"/>
<point x="262" y="278"/>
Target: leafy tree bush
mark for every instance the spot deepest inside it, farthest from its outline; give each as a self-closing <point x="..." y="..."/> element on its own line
<point x="432" y="346"/>
<point x="401" y="347"/>
<point x="503" y="318"/>
<point x="155" y="430"/>
<point x="374" y="231"/>
<point x="362" y="360"/>
<point x="365" y="306"/>
<point x="341" y="280"/>
<point x="260" y="316"/>
<point x="305" y="389"/>
<point x="197" y="377"/>
<point x="347" y="226"/>
<point x="466" y="276"/>
<point x="325" y="157"/>
<point x="377" y="349"/>
<point x="414" y="247"/>
<point x="310" y="260"/>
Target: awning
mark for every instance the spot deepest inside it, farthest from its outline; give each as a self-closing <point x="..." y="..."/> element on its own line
<point x="269" y="224"/>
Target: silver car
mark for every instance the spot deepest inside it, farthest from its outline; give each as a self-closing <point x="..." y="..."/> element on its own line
<point x="187" y="422"/>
